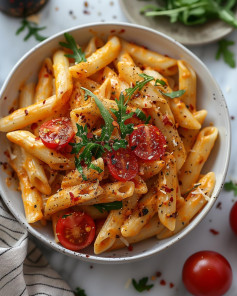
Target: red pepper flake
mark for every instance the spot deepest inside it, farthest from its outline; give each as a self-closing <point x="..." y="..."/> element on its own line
<point x="121" y="31"/>
<point x="37" y="138"/>
<point x="163" y="282"/>
<point x="171" y="199"/>
<point x="130" y="248"/>
<point x="46" y="75"/>
<point x="219" y="206"/>
<point x="232" y="117"/>
<point x="6" y="153"/>
<point x="26" y="112"/>
<point x="167" y="189"/>
<point x="32" y="187"/>
<point x="158" y="274"/>
<point x="44" y="101"/>
<point x="112" y="31"/>
<point x="213" y="231"/>
<point x="87" y="256"/>
<point x="73" y="198"/>
<point x="89" y="135"/>
<point x="166" y="120"/>
<point x="34" y="126"/>
<point x="171" y="285"/>
<point x="5" y="98"/>
<point x="11" y="110"/>
<point x="191" y="107"/>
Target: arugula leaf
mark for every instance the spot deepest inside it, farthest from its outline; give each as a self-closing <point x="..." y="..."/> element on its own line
<point x="174" y="94"/>
<point x="119" y="143"/>
<point x="108" y="128"/>
<point x="33" y="30"/>
<point x="224" y="51"/>
<point x="141" y="115"/>
<point x="161" y="82"/>
<point x="230" y="186"/>
<point x="138" y="86"/>
<point x="102" y="207"/>
<point x="142" y="285"/>
<point x="91" y="148"/>
<point x="194" y="187"/>
<point x="122" y="116"/>
<point x="78" y="55"/>
<point x="79" y="292"/>
<point x="194" y="12"/>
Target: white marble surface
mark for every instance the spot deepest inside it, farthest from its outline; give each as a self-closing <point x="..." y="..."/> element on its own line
<point x="99" y="279"/>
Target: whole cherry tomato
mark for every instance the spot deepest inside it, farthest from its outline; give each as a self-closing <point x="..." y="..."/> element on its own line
<point x="207" y="273"/>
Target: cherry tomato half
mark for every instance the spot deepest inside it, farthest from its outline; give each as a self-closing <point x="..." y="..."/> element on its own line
<point x="147" y="142"/>
<point x="122" y="164"/>
<point x="233" y="218"/>
<point x="207" y="273"/>
<point x="56" y="133"/>
<point x="75" y="230"/>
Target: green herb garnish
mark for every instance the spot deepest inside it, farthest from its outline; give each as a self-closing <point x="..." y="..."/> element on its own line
<point x="141" y="115"/>
<point x="174" y="94"/>
<point x="78" y="55"/>
<point x="65" y="216"/>
<point x="224" y="51"/>
<point x="194" y="187"/>
<point x="194" y="12"/>
<point x="79" y="292"/>
<point x="161" y="82"/>
<point x="122" y="116"/>
<point x="142" y="285"/>
<point x="230" y="186"/>
<point x="138" y="86"/>
<point x="102" y="207"/>
<point x="33" y="30"/>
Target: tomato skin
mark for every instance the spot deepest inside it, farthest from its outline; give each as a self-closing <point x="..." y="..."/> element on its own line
<point x="233" y="218"/>
<point x="207" y="273"/>
<point x="122" y="164"/>
<point x="56" y="133"/>
<point x="147" y="142"/>
<point x="75" y="230"/>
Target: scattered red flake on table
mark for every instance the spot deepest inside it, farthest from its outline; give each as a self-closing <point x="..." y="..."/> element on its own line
<point x="163" y="282"/>
<point x="171" y="285"/>
<point x="130" y="248"/>
<point x="213" y="231"/>
<point x="158" y="274"/>
<point x="232" y="117"/>
<point x="219" y="206"/>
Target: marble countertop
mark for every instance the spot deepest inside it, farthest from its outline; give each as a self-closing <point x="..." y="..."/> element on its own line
<point x="98" y="279"/>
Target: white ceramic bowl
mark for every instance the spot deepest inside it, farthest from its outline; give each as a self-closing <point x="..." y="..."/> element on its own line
<point x="209" y="97"/>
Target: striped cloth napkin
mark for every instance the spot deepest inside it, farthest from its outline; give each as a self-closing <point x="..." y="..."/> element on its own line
<point x="23" y="269"/>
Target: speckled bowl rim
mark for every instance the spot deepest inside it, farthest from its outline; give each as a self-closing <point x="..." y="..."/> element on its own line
<point x="187" y="229"/>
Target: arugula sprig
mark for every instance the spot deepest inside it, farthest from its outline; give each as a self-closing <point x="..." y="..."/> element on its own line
<point x="138" y="86"/>
<point x="142" y="285"/>
<point x="102" y="207"/>
<point x="122" y="116"/>
<point x="33" y="30"/>
<point x="194" y="12"/>
<point x="80" y="292"/>
<point x="231" y="186"/>
<point x="78" y="55"/>
<point x="223" y="50"/>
